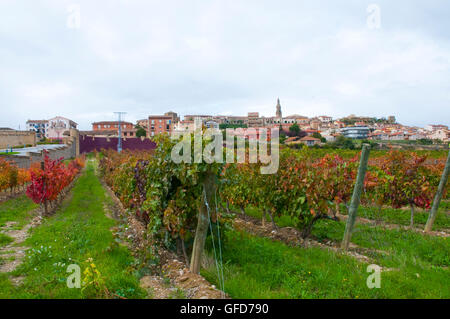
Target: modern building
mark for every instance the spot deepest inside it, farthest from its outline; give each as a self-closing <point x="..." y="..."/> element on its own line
<point x="38" y="126"/>
<point x="158" y="124"/>
<point x="356" y="132"/>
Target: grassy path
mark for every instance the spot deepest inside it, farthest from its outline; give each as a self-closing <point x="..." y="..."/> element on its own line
<point x="15" y="217"/>
<point x="258" y="267"/>
<point x="16" y="210"/>
<point x="79" y="233"/>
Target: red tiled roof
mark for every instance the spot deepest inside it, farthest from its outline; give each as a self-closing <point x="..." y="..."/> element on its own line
<point x="309" y="138"/>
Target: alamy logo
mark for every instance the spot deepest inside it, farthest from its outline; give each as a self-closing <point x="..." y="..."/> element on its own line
<point x="213" y="152"/>
<point x="374" y="17"/>
<point x="74" y="17"/>
<point x="74" y="279"/>
<point x="374" y="280"/>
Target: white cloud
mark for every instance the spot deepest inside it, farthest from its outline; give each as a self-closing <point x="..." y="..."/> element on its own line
<point x="223" y="57"/>
<point x="47" y="91"/>
<point x="347" y="89"/>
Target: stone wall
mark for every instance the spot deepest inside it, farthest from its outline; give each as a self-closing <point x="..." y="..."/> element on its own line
<point x="16" y="138"/>
<point x="24" y="161"/>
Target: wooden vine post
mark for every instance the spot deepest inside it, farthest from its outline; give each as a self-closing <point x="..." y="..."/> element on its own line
<point x="352" y="212"/>
<point x="207" y="202"/>
<point x="438" y="196"/>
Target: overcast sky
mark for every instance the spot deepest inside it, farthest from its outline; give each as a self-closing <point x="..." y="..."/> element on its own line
<point x="224" y="57"/>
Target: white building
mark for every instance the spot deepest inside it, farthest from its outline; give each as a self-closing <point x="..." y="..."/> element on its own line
<point x="325" y="118"/>
<point x="57" y="126"/>
<point x="433" y="128"/>
<point x="38" y="126"/>
<point x="441" y="134"/>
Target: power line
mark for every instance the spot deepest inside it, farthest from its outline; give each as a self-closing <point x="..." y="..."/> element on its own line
<point x="119" y="143"/>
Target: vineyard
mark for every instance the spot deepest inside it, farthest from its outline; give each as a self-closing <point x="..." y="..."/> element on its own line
<point x="254" y="235"/>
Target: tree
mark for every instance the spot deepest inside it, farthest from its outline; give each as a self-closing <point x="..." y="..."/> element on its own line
<point x="344" y="142"/>
<point x="425" y="141"/>
<point x="319" y="136"/>
<point x="224" y="126"/>
<point x="282" y="138"/>
<point x="140" y="131"/>
<point x="294" y="128"/>
<point x="175" y="200"/>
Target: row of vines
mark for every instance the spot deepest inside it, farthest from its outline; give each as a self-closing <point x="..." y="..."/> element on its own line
<point x="45" y="182"/>
<point x="174" y="200"/>
<point x="12" y="178"/>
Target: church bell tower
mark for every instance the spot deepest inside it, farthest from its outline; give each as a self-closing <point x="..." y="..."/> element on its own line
<point x="278" y="113"/>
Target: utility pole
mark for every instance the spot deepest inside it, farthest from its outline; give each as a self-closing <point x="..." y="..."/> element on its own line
<point x="119" y="143"/>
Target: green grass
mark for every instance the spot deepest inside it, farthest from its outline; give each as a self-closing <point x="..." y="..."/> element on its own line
<point x="257" y="267"/>
<point x="17" y="210"/>
<point x="9" y="153"/>
<point x="388" y="215"/>
<point x="261" y="268"/>
<point x="403" y="216"/>
<point x="403" y="245"/>
<point x="78" y="231"/>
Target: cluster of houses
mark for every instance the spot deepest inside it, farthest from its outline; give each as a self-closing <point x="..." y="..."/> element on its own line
<point x="385" y="129"/>
<point x="400" y="132"/>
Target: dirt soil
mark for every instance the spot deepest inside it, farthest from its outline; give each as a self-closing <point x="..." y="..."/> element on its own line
<point x="4" y="196"/>
<point x="13" y="253"/>
<point x="173" y="275"/>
